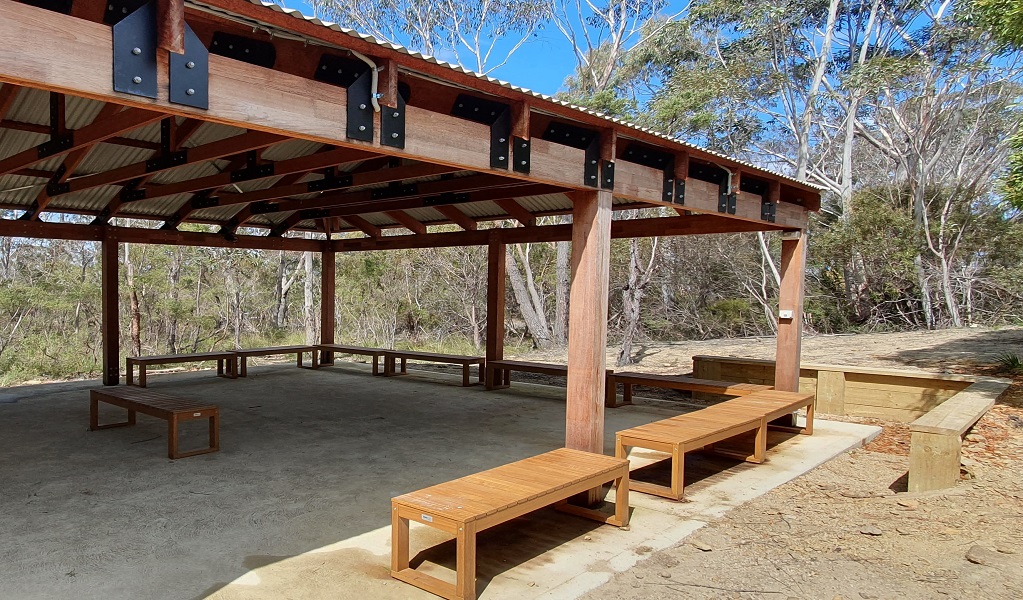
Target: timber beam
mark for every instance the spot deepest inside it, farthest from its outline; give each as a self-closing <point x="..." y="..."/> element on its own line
<point x="78" y="60"/>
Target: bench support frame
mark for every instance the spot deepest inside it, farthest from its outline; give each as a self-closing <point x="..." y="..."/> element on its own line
<point x="173" y="424"/>
<point x="464" y="587"/>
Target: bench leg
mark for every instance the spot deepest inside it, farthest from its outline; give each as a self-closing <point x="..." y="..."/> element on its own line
<point x="215" y="432"/>
<point x="376" y="367"/>
<point x="610" y="393"/>
<point x="172" y="438"/>
<point x="678" y="467"/>
<point x="626" y="393"/>
<point x="220" y="367"/>
<point x="142" y="375"/>
<point x="465" y="578"/>
<point x="232" y="366"/>
<point x="621" y="518"/>
<point x="94" y="417"/>
<point x="315" y="359"/>
<point x="479" y="373"/>
<point x="465" y="376"/>
<point x="399" y="541"/>
<point x="404" y="366"/>
<point x="808" y="429"/>
<point x="243" y="366"/>
<point x="129" y="378"/>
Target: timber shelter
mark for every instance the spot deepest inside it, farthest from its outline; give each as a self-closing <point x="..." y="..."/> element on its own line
<point x="122" y="120"/>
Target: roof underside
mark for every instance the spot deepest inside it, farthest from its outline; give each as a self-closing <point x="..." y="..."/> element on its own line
<point x="151" y="168"/>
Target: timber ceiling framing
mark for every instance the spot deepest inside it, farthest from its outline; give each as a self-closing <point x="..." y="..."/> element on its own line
<point x="289" y="143"/>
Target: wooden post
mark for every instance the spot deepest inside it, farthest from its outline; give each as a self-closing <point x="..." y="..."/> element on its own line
<point x="790" y="311"/>
<point x="328" y="286"/>
<point x="111" y="332"/>
<point x="170" y="28"/>
<point x="587" y="320"/>
<point x="496" y="271"/>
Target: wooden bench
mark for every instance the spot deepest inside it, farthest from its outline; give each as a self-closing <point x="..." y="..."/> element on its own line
<point x="498" y="373"/>
<point x="708" y="426"/>
<point x="321" y="349"/>
<point x="676" y="382"/>
<point x="392" y="356"/>
<point x="936" y="438"/>
<point x="299" y="351"/>
<point x="466" y="506"/>
<point x="144" y="361"/>
<point x="162" y="406"/>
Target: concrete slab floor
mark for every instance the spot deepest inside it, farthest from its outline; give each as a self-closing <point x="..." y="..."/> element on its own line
<point x="296" y="504"/>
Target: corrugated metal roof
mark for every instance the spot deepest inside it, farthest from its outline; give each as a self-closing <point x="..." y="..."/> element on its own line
<point x="430" y="59"/>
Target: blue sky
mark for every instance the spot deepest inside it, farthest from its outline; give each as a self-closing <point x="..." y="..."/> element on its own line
<point x="540" y="65"/>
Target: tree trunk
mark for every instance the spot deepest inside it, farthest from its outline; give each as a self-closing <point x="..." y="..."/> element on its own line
<point x="563" y="275"/>
<point x="533" y="315"/>
<point x="135" y="314"/>
<point x="925" y="291"/>
<point x="309" y="308"/>
<point x="174" y="277"/>
<point x="632" y="296"/>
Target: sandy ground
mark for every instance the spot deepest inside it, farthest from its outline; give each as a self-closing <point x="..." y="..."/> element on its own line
<point x="848" y="529"/>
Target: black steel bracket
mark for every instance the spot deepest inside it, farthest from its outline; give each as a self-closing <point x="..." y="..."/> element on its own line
<point x="161" y="163"/>
<point x="582" y="138"/>
<point x="314" y="213"/>
<point x="332" y="180"/>
<point x="56" y="145"/>
<point x="607" y="174"/>
<point x="135" y="52"/>
<point x="488" y="112"/>
<point x="190" y="73"/>
<point x="252" y="170"/>
<point x="59" y="6"/>
<point x="131" y="191"/>
<point x="360" y="109"/>
<point x="263" y="208"/>
<point x="339" y="70"/>
<point x="649" y="157"/>
<point x="520" y="155"/>
<point x="674" y="188"/>
<point x="447" y="198"/>
<point x="254" y="52"/>
<point x="392" y="120"/>
<point x="726" y="198"/>
<point x="394" y="191"/>
<point x="767" y="210"/>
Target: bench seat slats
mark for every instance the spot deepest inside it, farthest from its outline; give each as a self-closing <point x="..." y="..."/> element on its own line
<point x="271" y="350"/>
<point x="434" y="356"/>
<point x="475" y="496"/>
<point x="161" y="359"/>
<point x="693" y="384"/>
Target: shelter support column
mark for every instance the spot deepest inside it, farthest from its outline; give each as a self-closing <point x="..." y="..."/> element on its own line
<point x="790" y="311"/>
<point x="328" y="287"/>
<point x="496" y="272"/>
<point x="111" y="341"/>
<point x="587" y="320"/>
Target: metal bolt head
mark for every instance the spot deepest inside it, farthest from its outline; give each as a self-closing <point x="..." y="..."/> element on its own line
<point x="362" y="128"/>
<point x="189" y="92"/>
<point x="500" y="158"/>
<point x="502" y="140"/>
<point x="394" y="135"/>
<point x="396" y="114"/>
<point x="523" y="163"/>
<point x="362" y="107"/>
<point x="136" y="79"/>
<point x="136" y="51"/>
<point x="190" y="65"/>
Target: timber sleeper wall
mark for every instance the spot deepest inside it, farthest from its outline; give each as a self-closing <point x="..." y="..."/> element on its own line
<point x="888" y="394"/>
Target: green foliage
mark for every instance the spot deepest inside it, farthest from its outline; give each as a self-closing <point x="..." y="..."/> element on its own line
<point x="1003" y="18"/>
<point x="1012" y="182"/>
<point x="1010" y="362"/>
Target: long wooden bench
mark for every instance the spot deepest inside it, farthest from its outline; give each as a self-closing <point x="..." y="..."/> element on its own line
<point x="466" y="506"/>
<point x="708" y="426"/>
<point x="321" y="349"/>
<point x="299" y="351"/>
<point x="498" y="373"/>
<point x="162" y="406"/>
<point x="628" y="379"/>
<point x="936" y="438"/>
<point x="391" y="357"/>
<point x="222" y="358"/>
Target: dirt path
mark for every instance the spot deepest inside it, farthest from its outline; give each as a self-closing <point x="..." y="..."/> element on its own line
<point x="849" y="530"/>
